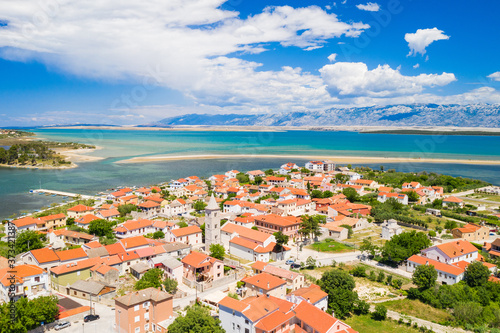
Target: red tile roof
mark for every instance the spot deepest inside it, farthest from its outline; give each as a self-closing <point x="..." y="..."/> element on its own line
<point x="194" y="229"/>
<point x="450" y="269"/>
<point x="72" y="254"/>
<point x="44" y="255"/>
<point x="80" y="208"/>
<point x="264" y="281"/>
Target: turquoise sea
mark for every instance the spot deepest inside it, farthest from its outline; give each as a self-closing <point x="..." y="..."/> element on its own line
<point x="92" y="177"/>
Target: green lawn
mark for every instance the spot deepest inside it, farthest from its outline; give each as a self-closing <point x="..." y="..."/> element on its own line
<point x="417" y="309"/>
<point x="329" y="245"/>
<point x="366" y="324"/>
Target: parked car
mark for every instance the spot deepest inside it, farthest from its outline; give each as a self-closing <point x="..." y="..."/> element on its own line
<point x="61" y="325"/>
<point x="289" y="262"/>
<point x="88" y="318"/>
<point x="295" y="265"/>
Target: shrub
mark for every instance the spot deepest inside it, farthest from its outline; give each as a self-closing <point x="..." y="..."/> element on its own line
<point x="381" y="277"/>
<point x="389" y="279"/>
<point x="397" y="283"/>
<point x="380" y="312"/>
<point x="362" y="307"/>
<point x="372" y="276"/>
<point x="358" y="271"/>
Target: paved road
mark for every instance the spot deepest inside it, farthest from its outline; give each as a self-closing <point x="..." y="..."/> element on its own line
<point x="483" y="201"/>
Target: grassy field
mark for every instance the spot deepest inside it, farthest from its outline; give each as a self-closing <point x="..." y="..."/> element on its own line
<point x="329" y="245"/>
<point x="366" y="324"/>
<point x="489" y="197"/>
<point x="417" y="309"/>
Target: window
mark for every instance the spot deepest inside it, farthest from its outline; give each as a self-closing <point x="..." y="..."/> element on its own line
<point x="146" y="327"/>
<point x="83" y="295"/>
<point x="137" y="329"/>
<point x="146" y="316"/>
<point x="37" y="279"/>
<point x="78" y="273"/>
<point x="246" y="321"/>
<point x="153" y="327"/>
<point x="136" y="308"/>
<point x="137" y="318"/>
<point x="74" y="292"/>
<point x="145" y="304"/>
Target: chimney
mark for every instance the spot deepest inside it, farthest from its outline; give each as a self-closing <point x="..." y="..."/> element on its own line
<point x="268" y="285"/>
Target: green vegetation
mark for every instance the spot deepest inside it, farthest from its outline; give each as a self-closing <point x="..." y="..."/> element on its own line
<point x="339" y="286"/>
<point x="380" y="312"/>
<point x="329" y="245"/>
<point x="29" y="240"/>
<point x="403" y="246"/>
<point x="425" y="276"/>
<point x="197" y="319"/>
<point x="64" y="208"/>
<point x="310" y="226"/>
<point x="158" y="235"/>
<point x="101" y="228"/>
<point x="170" y="285"/>
<point x="281" y="240"/>
<point x="126" y="209"/>
<point x="365" y="323"/>
<point x="416" y="308"/>
<point x="152" y="278"/>
<point x="217" y="251"/>
<point x="30" y="314"/>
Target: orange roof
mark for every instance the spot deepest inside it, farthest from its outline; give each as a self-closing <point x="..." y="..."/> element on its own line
<point x="86" y="219"/>
<point x="134" y="225"/>
<point x="20" y="272"/>
<point x="260" y="307"/>
<point x="149" y="204"/>
<point x="114" y="248"/>
<point x="274" y="320"/>
<point x="28" y="220"/>
<point x="244" y="243"/>
<point x="72" y="254"/>
<point x="469" y="228"/>
<point x="76" y="266"/>
<point x="385" y="189"/>
<point x="72" y="312"/>
<point x="132" y="242"/>
<point x="259" y="265"/>
<point x="109" y="212"/>
<point x="319" y="320"/>
<point x="453" y="199"/>
<point x="233" y="304"/>
<point x="80" y="208"/>
<point x="44" y="255"/>
<point x="283" y="221"/>
<point x="197" y="259"/>
<point x="313" y="293"/>
<point x="245" y="232"/>
<point x="457" y="248"/>
<point x="264" y="281"/>
<point x="364" y="181"/>
<point x="450" y="269"/>
<point x="105" y="268"/>
<point x="53" y="217"/>
<point x="94" y="244"/>
<point x="193" y="229"/>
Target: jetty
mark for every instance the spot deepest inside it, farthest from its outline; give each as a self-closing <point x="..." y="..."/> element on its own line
<point x="63" y="194"/>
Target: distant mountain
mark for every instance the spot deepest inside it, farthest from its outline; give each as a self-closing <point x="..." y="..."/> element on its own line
<point x="474" y="115"/>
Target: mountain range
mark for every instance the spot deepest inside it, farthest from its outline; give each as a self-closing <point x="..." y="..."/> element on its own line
<point x="472" y="115"/>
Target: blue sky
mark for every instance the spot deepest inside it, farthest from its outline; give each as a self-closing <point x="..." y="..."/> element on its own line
<point x="127" y="63"/>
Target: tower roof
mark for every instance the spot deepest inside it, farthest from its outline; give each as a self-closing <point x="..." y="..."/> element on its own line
<point x="212" y="204"/>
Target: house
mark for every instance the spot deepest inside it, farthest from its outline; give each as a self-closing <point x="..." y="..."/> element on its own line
<point x="29" y="281"/>
<point x="147" y="310"/>
<point x="138" y="270"/>
<point x="320" y="166"/>
<point x="354" y="223"/>
<point x="399" y="197"/>
<point x="134" y="243"/>
<point x="453" y="201"/>
<point x="54" y="221"/>
<point x="332" y="230"/>
<point x="150" y="208"/>
<point x="277" y="181"/>
<point x="255" y="173"/>
<point x="308" y="318"/>
<point x="173" y="268"/>
<point x="106" y="273"/>
<point x="289" y="225"/>
<point x="390" y="229"/>
<point x="232" y="173"/>
<point x="447" y="274"/>
<point x="109" y="214"/>
<point x="134" y="228"/>
<point x="199" y="267"/>
<point x="88" y="289"/>
<point x="79" y="210"/>
<point x="471" y="232"/>
<point x="44" y="258"/>
<point x="190" y="235"/>
<point x="312" y="294"/>
<point x="26" y="223"/>
<point x="293" y="280"/>
<point x="412" y="185"/>
<point x="364" y="182"/>
<point x="176" y="250"/>
<point x="265" y="283"/>
<point x="63" y="276"/>
<point x="452" y="252"/>
<point x="84" y="221"/>
<point x="70" y="237"/>
<point x="71" y="255"/>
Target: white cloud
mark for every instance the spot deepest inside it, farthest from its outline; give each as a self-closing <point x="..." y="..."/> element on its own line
<point x="353" y="79"/>
<point x="370" y="7"/>
<point x="423" y="38"/>
<point x="416" y="66"/>
<point x="495" y="76"/>
<point x="332" y="57"/>
<point x="190" y="46"/>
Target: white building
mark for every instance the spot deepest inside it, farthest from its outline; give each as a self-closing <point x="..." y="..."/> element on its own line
<point x="390" y="228"/>
<point x="452" y="252"/>
<point x="30" y="281"/>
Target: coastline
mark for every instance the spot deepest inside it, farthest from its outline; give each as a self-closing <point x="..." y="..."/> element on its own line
<point x="425" y="130"/>
<point x="79" y="155"/>
<point x="46" y="167"/>
<point x="337" y="159"/>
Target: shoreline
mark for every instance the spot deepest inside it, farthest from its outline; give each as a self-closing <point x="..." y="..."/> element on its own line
<point x="425" y="130"/>
<point x="79" y="155"/>
<point x="45" y="167"/>
<point x="336" y="159"/>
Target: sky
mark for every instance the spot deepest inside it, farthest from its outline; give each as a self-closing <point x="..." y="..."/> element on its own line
<point x="136" y="62"/>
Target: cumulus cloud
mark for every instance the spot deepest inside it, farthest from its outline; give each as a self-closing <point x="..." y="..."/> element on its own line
<point x="370" y="7"/>
<point x="190" y="46"/>
<point x="353" y="79"/>
<point x="419" y="40"/>
<point x="495" y="76"/>
<point x="416" y="66"/>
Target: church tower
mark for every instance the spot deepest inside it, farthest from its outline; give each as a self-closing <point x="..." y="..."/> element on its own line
<point x="212" y="223"/>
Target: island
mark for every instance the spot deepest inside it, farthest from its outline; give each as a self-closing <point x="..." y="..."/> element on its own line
<point x="19" y="149"/>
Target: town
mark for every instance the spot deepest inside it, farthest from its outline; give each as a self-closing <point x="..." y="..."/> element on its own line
<point x="313" y="248"/>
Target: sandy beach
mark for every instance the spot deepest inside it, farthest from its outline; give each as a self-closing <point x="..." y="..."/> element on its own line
<point x="337" y="159"/>
<point x="79" y="155"/>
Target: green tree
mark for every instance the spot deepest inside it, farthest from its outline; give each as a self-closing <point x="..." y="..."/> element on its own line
<point x="217" y="251"/>
<point x="362" y="307"/>
<point x="380" y="312"/>
<point x="476" y="274"/>
<point x="358" y="271"/>
<point x="468" y="313"/>
<point x="310" y="226"/>
<point x="425" y="276"/>
<point x="310" y="262"/>
<point x="70" y="221"/>
<point x="182" y="224"/>
<point x="381" y="277"/>
<point x="258" y="180"/>
<point x="349" y="230"/>
<point x="368" y="247"/>
<point x="404" y="245"/>
<point x="269" y="172"/>
<point x="197" y="319"/>
<point x="243" y="178"/>
<point x="316" y="194"/>
<point x="158" y="234"/>
<point x="126" y="209"/>
<point x="340" y="178"/>
<point x="199" y="205"/>
<point x="254" y="228"/>
<point x="170" y="285"/>
<point x="351" y="194"/>
<point x="281" y="239"/>
<point x="413" y="196"/>
<point x="101" y="228"/>
<point x="450" y="225"/>
<point x="29" y="240"/>
<point x="151" y="278"/>
<point x="339" y="286"/>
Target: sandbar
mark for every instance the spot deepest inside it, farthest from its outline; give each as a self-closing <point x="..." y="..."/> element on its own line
<point x="336" y="159"/>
